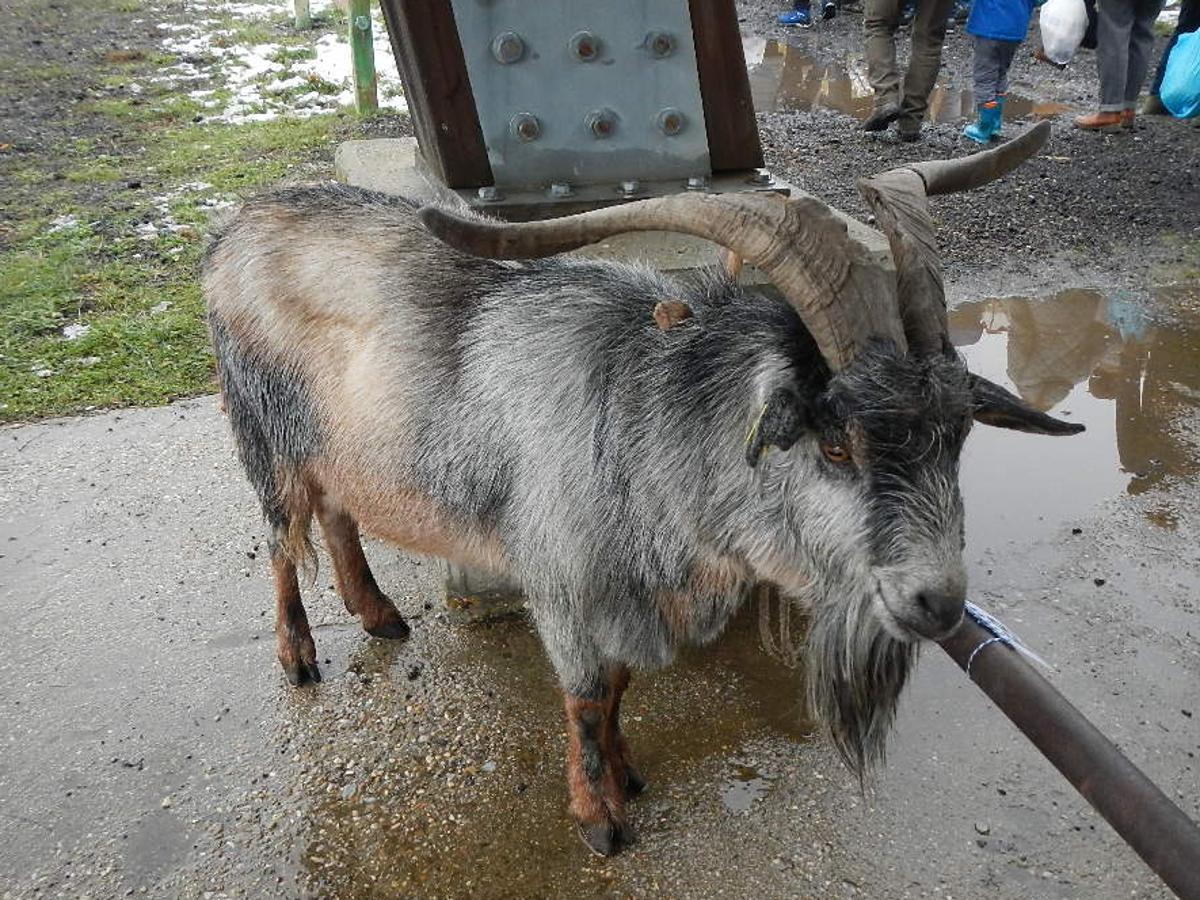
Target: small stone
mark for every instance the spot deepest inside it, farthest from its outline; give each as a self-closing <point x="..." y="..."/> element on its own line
<point x="1099" y="582"/>
<point x="166" y="802"/>
<point x="489" y="766"/>
<point x="983" y="828"/>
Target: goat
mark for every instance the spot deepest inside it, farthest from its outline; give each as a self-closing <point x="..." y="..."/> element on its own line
<point x="637" y="451"/>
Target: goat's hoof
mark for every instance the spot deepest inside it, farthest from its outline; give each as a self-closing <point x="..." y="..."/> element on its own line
<point x="390" y="629"/>
<point x="606" y="838"/>
<point x="300" y="672"/>
<point x="634" y="782"/>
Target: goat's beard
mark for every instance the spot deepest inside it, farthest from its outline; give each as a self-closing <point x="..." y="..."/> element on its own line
<point x="856" y="671"/>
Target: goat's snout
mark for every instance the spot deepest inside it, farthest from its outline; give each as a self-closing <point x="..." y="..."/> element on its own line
<point x="938" y="607"/>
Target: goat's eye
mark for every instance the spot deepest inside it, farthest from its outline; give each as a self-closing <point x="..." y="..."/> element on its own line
<point x="835" y="452"/>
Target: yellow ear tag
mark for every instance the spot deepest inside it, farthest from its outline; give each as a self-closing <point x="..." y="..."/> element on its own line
<point x="753" y="432"/>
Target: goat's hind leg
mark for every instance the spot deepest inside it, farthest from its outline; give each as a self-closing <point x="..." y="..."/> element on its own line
<point x="296" y="650"/>
<point x="628" y="777"/>
<point x="356" y="584"/>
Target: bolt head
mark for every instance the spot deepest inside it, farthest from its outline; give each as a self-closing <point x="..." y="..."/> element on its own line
<point x="525" y="127"/>
<point x="584" y="46"/>
<point x="560" y="189"/>
<point x="601" y="123"/>
<point x="488" y="194"/>
<point x="698" y="183"/>
<point x="508" y="48"/>
<point x="631" y="188"/>
<point x="761" y="177"/>
<point x="660" y="44"/>
<point x="670" y="121"/>
<point x="362" y="23"/>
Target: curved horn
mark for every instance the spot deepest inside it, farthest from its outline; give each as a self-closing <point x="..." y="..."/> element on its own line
<point x="898" y="199"/>
<point x="801" y="245"/>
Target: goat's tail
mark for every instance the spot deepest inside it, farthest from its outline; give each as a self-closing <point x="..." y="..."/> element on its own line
<point x="275" y="428"/>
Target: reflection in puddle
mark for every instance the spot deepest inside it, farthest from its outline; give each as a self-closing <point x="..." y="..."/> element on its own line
<point x="785" y="78"/>
<point x="1094" y="358"/>
<point x="744" y="788"/>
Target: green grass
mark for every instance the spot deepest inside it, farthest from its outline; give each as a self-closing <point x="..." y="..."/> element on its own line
<point x="146" y="342"/>
<point x="76" y="205"/>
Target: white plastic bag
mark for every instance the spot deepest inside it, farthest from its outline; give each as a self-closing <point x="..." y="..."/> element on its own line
<point x="1063" y="24"/>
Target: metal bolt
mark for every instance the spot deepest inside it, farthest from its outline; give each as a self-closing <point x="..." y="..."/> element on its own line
<point x="585" y="46"/>
<point x="507" y="47"/>
<point x="631" y="188"/>
<point x="670" y="121"/>
<point x="761" y="177"/>
<point x="489" y="194"/>
<point x="601" y="123"/>
<point x="362" y="23"/>
<point x="660" y="44"/>
<point x="698" y="183"/>
<point x="560" y="190"/>
<point x="525" y="127"/>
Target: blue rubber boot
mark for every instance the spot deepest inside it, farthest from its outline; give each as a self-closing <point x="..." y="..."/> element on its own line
<point x="988" y="125"/>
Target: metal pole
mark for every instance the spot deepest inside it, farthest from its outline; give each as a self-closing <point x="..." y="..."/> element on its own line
<point x="1158" y="830"/>
<point x="362" y="49"/>
<point x="303" y="19"/>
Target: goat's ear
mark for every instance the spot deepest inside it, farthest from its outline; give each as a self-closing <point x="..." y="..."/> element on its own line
<point x="780" y="423"/>
<point x="996" y="406"/>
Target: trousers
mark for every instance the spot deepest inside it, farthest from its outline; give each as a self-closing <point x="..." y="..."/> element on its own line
<point x="1124" y="39"/>
<point x="881" y="18"/>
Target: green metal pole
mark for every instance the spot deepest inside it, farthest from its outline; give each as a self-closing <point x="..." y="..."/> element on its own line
<point x="362" y="48"/>
<point x="303" y="19"/>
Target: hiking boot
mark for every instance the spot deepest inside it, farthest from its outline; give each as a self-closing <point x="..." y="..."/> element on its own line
<point x="1100" y="121"/>
<point x="988" y="125"/>
<point x="908" y="134"/>
<point x="796" y="18"/>
<point x="882" y="117"/>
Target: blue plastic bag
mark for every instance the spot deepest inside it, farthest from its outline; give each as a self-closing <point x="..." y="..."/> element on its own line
<point x="1180" y="91"/>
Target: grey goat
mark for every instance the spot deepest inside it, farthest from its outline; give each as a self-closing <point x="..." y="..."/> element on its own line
<point x="637" y="451"/>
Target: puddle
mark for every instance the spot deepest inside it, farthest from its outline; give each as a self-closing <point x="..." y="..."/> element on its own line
<point x="784" y="78"/>
<point x="1090" y="357"/>
<point x="745" y="787"/>
<point x="420" y="819"/>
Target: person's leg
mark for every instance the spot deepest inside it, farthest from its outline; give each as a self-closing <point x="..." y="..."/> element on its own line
<point x="928" y="34"/>
<point x="988" y="74"/>
<point x="1005" y="54"/>
<point x="1141" y="43"/>
<point x="880" y="18"/>
<point x="1114" y="22"/>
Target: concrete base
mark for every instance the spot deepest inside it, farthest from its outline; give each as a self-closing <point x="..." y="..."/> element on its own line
<point x="393" y="166"/>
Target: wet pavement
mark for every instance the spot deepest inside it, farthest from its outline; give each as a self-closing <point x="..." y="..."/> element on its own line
<point x="151" y="746"/>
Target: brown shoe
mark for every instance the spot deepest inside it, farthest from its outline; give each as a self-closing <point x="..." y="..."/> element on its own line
<point x="1100" y="121"/>
<point x="1128" y="119"/>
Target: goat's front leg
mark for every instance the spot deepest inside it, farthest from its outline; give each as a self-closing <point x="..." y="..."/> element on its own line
<point x="594" y="774"/>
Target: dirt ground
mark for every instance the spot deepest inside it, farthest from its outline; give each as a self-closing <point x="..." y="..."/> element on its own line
<point x="152" y="748"/>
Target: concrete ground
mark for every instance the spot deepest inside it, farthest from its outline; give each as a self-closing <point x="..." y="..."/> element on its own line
<point x="152" y="747"/>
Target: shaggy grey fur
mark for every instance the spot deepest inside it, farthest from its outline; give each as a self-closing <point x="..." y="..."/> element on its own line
<point x="610" y="458"/>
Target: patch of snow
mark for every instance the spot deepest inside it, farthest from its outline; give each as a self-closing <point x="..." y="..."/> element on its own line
<point x="75" y="331"/>
<point x="158" y="308"/>
<point x="62" y="223"/>
<point x="259" y="83"/>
